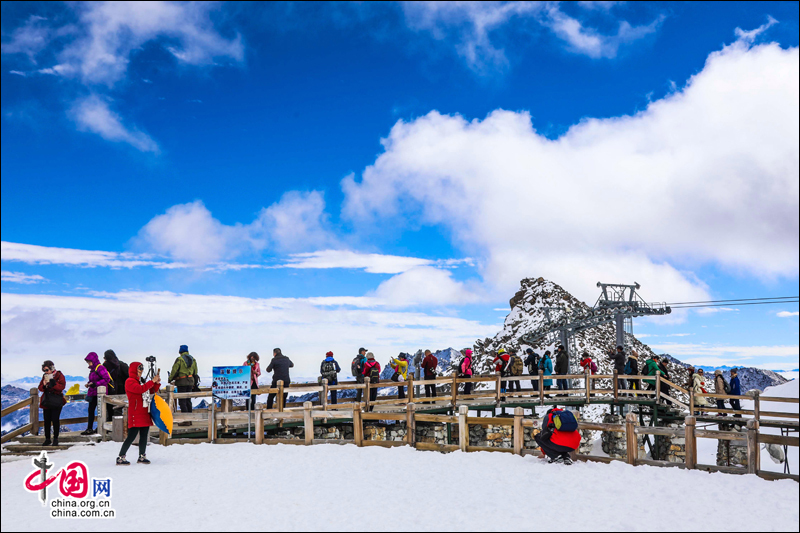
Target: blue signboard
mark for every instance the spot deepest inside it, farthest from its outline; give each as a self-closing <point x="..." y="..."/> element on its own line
<point x="231" y="382"/>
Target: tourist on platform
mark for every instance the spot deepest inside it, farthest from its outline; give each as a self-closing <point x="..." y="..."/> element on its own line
<point x="515" y="368"/>
<point x="329" y="369"/>
<point x="465" y="369"/>
<point x="255" y="373"/>
<point x="587" y="363"/>
<point x="372" y="370"/>
<point x="555" y="443"/>
<point x="720" y="387"/>
<point x="98" y="377"/>
<point x="651" y="369"/>
<point x="736" y="390"/>
<point x="52" y="400"/>
<point x="119" y="374"/>
<point x="546" y="366"/>
<point x="429" y="366"/>
<point x="562" y="367"/>
<point x="357" y="369"/>
<point x="618" y="359"/>
<point x="662" y="367"/>
<point x="139" y="420"/>
<point x="184" y="376"/>
<point x="632" y="369"/>
<point x="699" y="386"/>
<point x="400" y="367"/>
<point x="532" y="364"/>
<point x="502" y="362"/>
<point x="279" y="366"/>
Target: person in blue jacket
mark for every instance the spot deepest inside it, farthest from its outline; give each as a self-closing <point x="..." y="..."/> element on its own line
<point x="546" y="366"/>
<point x="736" y="390"/>
<point x="329" y="369"/>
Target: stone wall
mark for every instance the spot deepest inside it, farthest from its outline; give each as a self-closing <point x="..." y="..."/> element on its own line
<point x="491" y="436"/>
<point x="732" y="452"/>
<point x="432" y="433"/>
<point x="614" y="443"/>
<point x="672" y="449"/>
<point x="383" y="431"/>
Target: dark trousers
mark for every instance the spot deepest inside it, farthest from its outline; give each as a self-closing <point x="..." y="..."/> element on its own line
<point x="373" y="395"/>
<point x="272" y="395"/>
<point x="132" y="433"/>
<point x="511" y="385"/>
<point x="720" y="404"/>
<point x="92" y="408"/>
<point x="562" y="384"/>
<point x="430" y="391"/>
<point x="401" y="392"/>
<point x="359" y="392"/>
<point x="52" y="416"/>
<point x="334" y="396"/>
<point x="535" y="385"/>
<point x="467" y="388"/>
<point x="253" y="396"/>
<point x="553" y="451"/>
<point x="665" y="390"/>
<point x="185" y="404"/>
<point x="736" y="405"/>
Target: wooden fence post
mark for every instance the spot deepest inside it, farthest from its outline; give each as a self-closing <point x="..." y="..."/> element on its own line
<point x="691" y="401"/>
<point x="616" y="386"/>
<point x="101" y="407"/>
<point x="308" y="423"/>
<point x="463" y="428"/>
<point x="366" y="394"/>
<point x="632" y="447"/>
<point x="358" y="427"/>
<point x="410" y="387"/>
<point x="757" y="406"/>
<point x="34" y="411"/>
<point x="691" y="443"/>
<point x="212" y="422"/>
<point x="518" y="436"/>
<point x="259" y="426"/>
<point x="588" y="382"/>
<point x="658" y="387"/>
<point x="454" y="392"/>
<point x="541" y="387"/>
<point x="323" y="396"/>
<point x="411" y="423"/>
<point x="753" y="455"/>
<point x="280" y="396"/>
<point x="497" y="386"/>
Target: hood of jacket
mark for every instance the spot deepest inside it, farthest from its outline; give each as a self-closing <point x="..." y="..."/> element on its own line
<point x="133" y="370"/>
<point x="329" y="359"/>
<point x="92" y="358"/>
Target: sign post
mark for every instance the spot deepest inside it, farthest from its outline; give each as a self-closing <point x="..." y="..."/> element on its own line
<point x="230" y="383"/>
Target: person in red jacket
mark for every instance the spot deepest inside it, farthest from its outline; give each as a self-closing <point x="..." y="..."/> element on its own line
<point x="52" y="400"/>
<point x="502" y="364"/>
<point x="139" y="420"/>
<point x="372" y="370"/>
<point x="555" y="444"/>
<point x="429" y="365"/>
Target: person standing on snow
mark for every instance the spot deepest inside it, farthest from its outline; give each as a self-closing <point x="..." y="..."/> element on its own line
<point x="139" y="420"/>
<point x="279" y="366"/>
<point x="52" y="400"/>
<point x="357" y="369"/>
<point x="429" y="365"/>
<point x="372" y="370"/>
<point x="184" y="376"/>
<point x="329" y="369"/>
<point x="255" y="372"/>
<point x="98" y="377"/>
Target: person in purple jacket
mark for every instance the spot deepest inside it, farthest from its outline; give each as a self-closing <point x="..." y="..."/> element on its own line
<point x="98" y="377"/>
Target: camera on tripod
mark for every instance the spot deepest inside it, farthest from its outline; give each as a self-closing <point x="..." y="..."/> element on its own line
<point x="151" y="359"/>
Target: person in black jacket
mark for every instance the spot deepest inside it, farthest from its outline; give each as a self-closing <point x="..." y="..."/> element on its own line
<point x="119" y="373"/>
<point x="562" y="367"/>
<point x="618" y="358"/>
<point x="532" y="364"/>
<point x="664" y="374"/>
<point x="279" y="366"/>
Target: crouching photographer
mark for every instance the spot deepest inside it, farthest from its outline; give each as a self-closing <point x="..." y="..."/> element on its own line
<point x="559" y="436"/>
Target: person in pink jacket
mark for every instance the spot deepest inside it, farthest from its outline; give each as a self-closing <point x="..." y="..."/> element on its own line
<point x="255" y="373"/>
<point x="465" y="369"/>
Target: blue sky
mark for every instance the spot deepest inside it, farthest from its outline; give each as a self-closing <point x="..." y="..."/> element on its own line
<point x="168" y="168"/>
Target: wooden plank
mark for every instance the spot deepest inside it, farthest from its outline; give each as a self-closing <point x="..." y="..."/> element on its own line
<point x="411" y="423"/>
<point x="454" y="390"/>
<point x="778" y="439"/>
<point x="723" y="396"/>
<point x="19" y="431"/>
<point x="392" y="401"/>
<point x="772" y="476"/>
<point x="346" y="386"/>
<point x="171" y="441"/>
<point x="768" y="399"/>
<point x="650" y="462"/>
<point x="780" y="415"/>
<point x="383" y="443"/>
<point x="436" y="381"/>
<point x="442" y="419"/>
<point x="677" y="402"/>
<point x="541" y="387"/>
<point x="34" y="411"/>
<point x="344" y="413"/>
<point x="184" y="395"/>
<point x="490" y="421"/>
<point x="666" y="432"/>
<point x="78" y="420"/>
<point x="331" y="441"/>
<point x="596" y="458"/>
<point x="671" y="384"/>
<point x="433" y="447"/>
<point x="598" y="426"/>
<point x="488" y="449"/>
<point x="729" y="411"/>
<point x="632" y="447"/>
<point x="383" y="416"/>
<point x="719" y="435"/>
<point x="298" y="442"/>
<point x="642" y="392"/>
<point x="308" y="423"/>
<point x="725" y="469"/>
<point x="15" y="407"/>
<point x="497" y="389"/>
<point x="358" y="427"/>
<point x="753" y="450"/>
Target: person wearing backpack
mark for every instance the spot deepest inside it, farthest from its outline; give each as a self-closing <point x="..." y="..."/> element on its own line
<point x="465" y="369"/>
<point x="618" y="359"/>
<point x="279" y="366"/>
<point x="651" y="369"/>
<point x="119" y="373"/>
<point x="183" y="375"/>
<point x="329" y="369"/>
<point x="720" y="387"/>
<point x="559" y="436"/>
<point x="429" y="365"/>
<point x="632" y="369"/>
<point x="515" y="368"/>
<point x="372" y="370"/>
<point x="98" y="377"/>
<point x="532" y="363"/>
<point x="562" y="367"/>
<point x="662" y="367"/>
<point x="52" y="400"/>
<point x="546" y="366"/>
<point x="400" y="368"/>
<point x="735" y="390"/>
<point x="502" y="362"/>
<point x="255" y="372"/>
<point x="357" y="370"/>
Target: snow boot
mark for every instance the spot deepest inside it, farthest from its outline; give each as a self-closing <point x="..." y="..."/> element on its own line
<point x="55" y="441"/>
<point x="567" y="460"/>
<point x="143" y="460"/>
<point x="46" y="442"/>
<point x="87" y="431"/>
<point x="122" y="461"/>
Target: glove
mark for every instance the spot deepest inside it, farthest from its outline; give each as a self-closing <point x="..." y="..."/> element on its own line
<point x="89" y="384"/>
<point x="51" y="383"/>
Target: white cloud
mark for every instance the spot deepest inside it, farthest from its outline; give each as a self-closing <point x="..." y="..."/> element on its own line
<point x="218" y="329"/>
<point x="706" y="175"/>
<point x="372" y="263"/>
<point x="750" y="36"/>
<point x="712" y="310"/>
<point x="731" y="352"/>
<point x="424" y="285"/>
<point x="29" y="39"/>
<point x="18" y="73"/>
<point x="49" y="255"/>
<point x="189" y="232"/>
<point x="786" y="314"/>
<point x="93" y="114"/>
<point x="21" y="277"/>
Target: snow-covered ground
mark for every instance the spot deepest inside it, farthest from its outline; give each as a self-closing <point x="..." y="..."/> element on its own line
<point x="330" y="487"/>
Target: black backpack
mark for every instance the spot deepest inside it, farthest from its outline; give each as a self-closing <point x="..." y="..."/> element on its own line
<point x="726" y="386"/>
<point x="329" y="370"/>
<point x="357" y="366"/>
<point x="374" y="374"/>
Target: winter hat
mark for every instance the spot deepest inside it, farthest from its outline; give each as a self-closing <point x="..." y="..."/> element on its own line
<point x="183" y="348"/>
<point x="717" y="372"/>
<point x="109" y="355"/>
<point x="329" y="354"/>
<point x="501" y="351"/>
<point x="468" y="352"/>
<point x="370" y="355"/>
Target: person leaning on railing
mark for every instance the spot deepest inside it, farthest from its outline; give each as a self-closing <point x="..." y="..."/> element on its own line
<point x="279" y="366"/>
<point x="52" y="400"/>
<point x="357" y="369"/>
<point x="329" y="369"/>
<point x="139" y="420"/>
